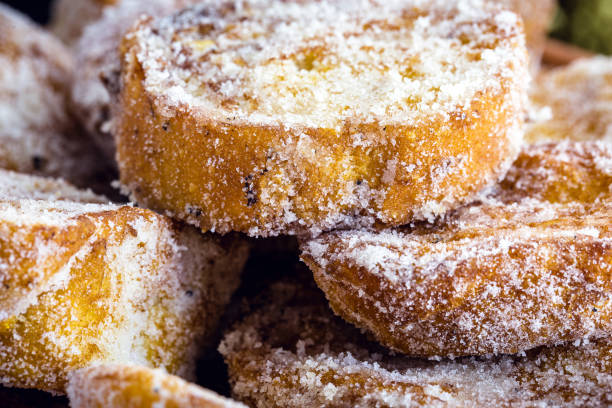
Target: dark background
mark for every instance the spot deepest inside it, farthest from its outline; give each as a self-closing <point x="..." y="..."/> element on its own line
<point x="36" y="9"/>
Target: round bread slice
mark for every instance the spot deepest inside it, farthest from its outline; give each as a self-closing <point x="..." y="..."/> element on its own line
<point x="97" y="56"/>
<point x="293" y="352"/>
<point x="297" y="117"/>
<point x="129" y="386"/>
<point x="529" y="264"/>
<point x="573" y="102"/>
<point x="38" y="134"/>
<point x="85" y="282"/>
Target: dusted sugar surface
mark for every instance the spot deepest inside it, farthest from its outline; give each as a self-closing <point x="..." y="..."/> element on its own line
<point x="291" y="351"/>
<point x="573" y="102"/>
<point x="299" y="117"/>
<point x="528" y="264"/>
<point x="85" y="283"/>
<point x="320" y="64"/>
<point x="127" y="386"/>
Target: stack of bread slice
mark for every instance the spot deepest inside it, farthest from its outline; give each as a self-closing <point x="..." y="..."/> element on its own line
<point x="453" y="218"/>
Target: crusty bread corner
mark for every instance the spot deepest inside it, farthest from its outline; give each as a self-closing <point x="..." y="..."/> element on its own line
<point x="38" y="133"/>
<point x="129" y="386"/>
<point x="213" y="148"/>
<point x="86" y="283"/>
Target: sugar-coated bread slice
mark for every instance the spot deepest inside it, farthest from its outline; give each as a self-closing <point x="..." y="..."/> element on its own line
<point x="529" y="264"/>
<point x="86" y="282"/>
<point x="97" y="56"/>
<point x="129" y="386"/>
<point x="573" y="102"/>
<point x="37" y="132"/>
<point x="291" y="351"/>
<point x="296" y="117"/>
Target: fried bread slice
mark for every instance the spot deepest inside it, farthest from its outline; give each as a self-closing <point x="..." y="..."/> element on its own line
<point x="87" y="282"/>
<point x="296" y="117"/>
<point x="573" y="102"/>
<point x="127" y="386"/>
<point x="529" y="264"/>
<point x="291" y="351"/>
<point x="37" y="132"/>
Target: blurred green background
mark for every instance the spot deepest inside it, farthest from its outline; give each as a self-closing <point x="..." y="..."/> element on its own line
<point x="586" y="23"/>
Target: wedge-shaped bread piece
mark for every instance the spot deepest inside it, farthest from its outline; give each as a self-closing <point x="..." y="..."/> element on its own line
<point x="37" y="133"/>
<point x="573" y="102"/>
<point x="97" y="56"/>
<point x="85" y="283"/>
<point x="530" y="264"/>
<point x="293" y="352"/>
<point x="128" y="386"/>
<point x="295" y="117"/>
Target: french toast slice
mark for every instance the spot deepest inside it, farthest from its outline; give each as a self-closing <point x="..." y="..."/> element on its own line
<point x="128" y="386"/>
<point x="291" y="351"/>
<point x="297" y="117"/>
<point x="86" y="282"/>
<point x="529" y="264"/>
<point x="38" y="134"/>
<point x="573" y="102"/>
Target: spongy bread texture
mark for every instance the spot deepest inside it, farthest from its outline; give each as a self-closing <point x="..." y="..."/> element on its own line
<point x="291" y="351"/>
<point x="573" y="102"/>
<point x="86" y="283"/>
<point x="97" y="56"/>
<point x="528" y="264"/>
<point x="295" y="117"/>
<point x="37" y="133"/>
<point x="129" y="386"/>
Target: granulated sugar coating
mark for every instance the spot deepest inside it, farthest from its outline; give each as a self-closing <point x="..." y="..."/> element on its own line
<point x="37" y="133"/>
<point x="97" y="56"/>
<point x="84" y="283"/>
<point x="529" y="264"/>
<point x="126" y="386"/>
<point x="293" y="352"/>
<point x="297" y="117"/>
<point x="573" y="102"/>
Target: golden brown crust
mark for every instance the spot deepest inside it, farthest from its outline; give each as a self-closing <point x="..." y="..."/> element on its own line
<point x="125" y="386"/>
<point x="85" y="283"/>
<point x="528" y="265"/>
<point x="228" y="173"/>
<point x="291" y="351"/>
